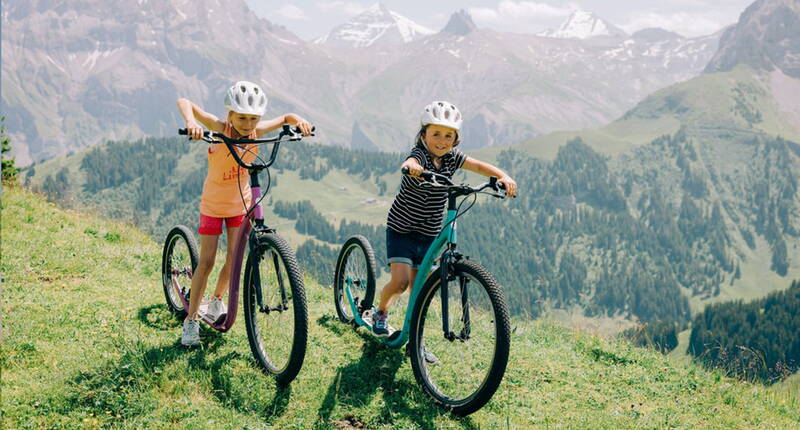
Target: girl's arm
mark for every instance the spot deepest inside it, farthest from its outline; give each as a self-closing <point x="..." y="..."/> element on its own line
<point x="487" y="169"/>
<point x="192" y="114"/>
<point x="269" y="125"/>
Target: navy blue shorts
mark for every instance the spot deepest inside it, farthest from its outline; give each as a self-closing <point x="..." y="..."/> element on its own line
<point x="408" y="248"/>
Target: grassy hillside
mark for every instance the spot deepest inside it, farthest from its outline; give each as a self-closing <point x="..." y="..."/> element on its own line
<point x="88" y="344"/>
<point x="742" y="100"/>
<point x="667" y="190"/>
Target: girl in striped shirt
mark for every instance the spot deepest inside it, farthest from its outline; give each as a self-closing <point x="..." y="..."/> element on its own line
<point x="416" y="214"/>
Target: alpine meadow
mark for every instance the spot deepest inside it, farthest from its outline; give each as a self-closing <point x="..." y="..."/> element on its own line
<point x="649" y="263"/>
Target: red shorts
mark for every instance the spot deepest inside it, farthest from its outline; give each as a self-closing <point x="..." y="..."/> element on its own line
<point x="213" y="226"/>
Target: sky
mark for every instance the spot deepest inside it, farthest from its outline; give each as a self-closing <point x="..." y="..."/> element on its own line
<point x="310" y="19"/>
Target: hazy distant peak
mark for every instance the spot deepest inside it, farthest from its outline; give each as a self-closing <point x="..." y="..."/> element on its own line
<point x="582" y="24"/>
<point x="375" y="25"/>
<point x="655" y="34"/>
<point x="460" y="23"/>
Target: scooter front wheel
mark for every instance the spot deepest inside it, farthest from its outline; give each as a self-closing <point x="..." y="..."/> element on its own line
<point x="178" y="263"/>
<point x="354" y="267"/>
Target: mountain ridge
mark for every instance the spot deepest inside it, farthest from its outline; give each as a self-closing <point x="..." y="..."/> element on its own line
<point x="75" y="76"/>
<point x="765" y="38"/>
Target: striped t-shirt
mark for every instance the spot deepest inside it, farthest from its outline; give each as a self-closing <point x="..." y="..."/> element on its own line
<point x="420" y="209"/>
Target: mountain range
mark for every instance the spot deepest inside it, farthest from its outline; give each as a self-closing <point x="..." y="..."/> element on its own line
<point x="77" y="73"/>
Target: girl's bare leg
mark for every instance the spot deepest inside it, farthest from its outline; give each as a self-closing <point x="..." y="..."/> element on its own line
<point x="403" y="276"/>
<point x="208" y="251"/>
<point x="225" y="273"/>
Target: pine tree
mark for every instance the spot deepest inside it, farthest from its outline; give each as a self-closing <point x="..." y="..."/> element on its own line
<point x="9" y="171"/>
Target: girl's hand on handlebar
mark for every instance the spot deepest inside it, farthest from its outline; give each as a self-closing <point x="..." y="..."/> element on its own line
<point x="299" y="122"/>
<point x="194" y="130"/>
<point x="414" y="169"/>
<point x="305" y="127"/>
<point x="509" y="185"/>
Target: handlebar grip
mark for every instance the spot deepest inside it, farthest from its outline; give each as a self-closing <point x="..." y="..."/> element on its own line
<point x="289" y="130"/>
<point x="184" y="132"/>
<point x="296" y="129"/>
<point x="496" y="185"/>
<point x="426" y="175"/>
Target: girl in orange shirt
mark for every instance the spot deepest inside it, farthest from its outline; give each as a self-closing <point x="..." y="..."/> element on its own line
<point x="221" y="200"/>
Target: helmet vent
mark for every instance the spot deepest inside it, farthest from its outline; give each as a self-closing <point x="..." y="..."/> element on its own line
<point x="443" y="113"/>
<point x="246" y="98"/>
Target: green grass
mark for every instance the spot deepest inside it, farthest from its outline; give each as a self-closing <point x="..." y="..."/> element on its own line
<point x="88" y="343"/>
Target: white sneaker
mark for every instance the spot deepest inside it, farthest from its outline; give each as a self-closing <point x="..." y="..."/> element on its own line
<point x="216" y="308"/>
<point x="191" y="333"/>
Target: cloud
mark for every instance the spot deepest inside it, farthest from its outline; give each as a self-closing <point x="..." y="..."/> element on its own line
<point x="520" y="15"/>
<point x="292" y="12"/>
<point x="684" y="23"/>
<point x="349" y="8"/>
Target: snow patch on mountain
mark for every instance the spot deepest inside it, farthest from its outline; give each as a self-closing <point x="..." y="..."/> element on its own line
<point x="376" y="25"/>
<point x="583" y="24"/>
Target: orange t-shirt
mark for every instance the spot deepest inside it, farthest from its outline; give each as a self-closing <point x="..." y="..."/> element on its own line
<point x="221" y="197"/>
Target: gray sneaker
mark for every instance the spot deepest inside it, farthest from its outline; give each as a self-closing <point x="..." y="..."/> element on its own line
<point x="429" y="357"/>
<point x="191" y="333"/>
<point x="216" y="308"/>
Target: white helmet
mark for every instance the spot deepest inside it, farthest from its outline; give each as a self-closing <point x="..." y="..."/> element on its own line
<point x="247" y="98"/>
<point x="441" y="113"/>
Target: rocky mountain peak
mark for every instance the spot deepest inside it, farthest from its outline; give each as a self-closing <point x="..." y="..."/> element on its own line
<point x="766" y="37"/>
<point x="376" y="25"/>
<point x="460" y="23"/>
<point x="582" y="24"/>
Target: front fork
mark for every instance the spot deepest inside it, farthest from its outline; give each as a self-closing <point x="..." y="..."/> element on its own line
<point x="445" y="265"/>
<point x="257" y="250"/>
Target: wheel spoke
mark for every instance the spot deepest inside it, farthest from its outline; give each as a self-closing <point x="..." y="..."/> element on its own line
<point x="469" y="366"/>
<point x="356" y="263"/>
<point x="177" y="267"/>
<point x="274" y="320"/>
<point x="275" y="309"/>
